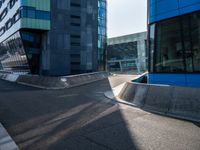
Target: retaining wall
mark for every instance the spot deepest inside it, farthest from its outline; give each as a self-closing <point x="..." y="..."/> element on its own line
<point x="54" y="82"/>
<point x="179" y="102"/>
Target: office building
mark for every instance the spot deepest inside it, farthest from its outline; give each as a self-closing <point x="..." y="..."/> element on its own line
<point x="174" y="42"/>
<point x="52" y="37"/>
<point x="128" y="53"/>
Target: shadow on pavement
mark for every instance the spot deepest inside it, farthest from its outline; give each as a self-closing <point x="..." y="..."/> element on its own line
<point x="79" y="118"/>
<point x="197" y="124"/>
<point x="6" y="86"/>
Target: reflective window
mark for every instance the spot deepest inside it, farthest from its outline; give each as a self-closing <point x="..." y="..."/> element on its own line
<point x="177" y="47"/>
<point x="169" y="53"/>
<point x="152" y="45"/>
<point x="12" y="54"/>
<point x="32" y="46"/>
<point x="16" y="16"/>
<point x="31" y="12"/>
<point x="101" y="34"/>
<point x="123" y="51"/>
<point x="191" y="32"/>
<point x="45" y="15"/>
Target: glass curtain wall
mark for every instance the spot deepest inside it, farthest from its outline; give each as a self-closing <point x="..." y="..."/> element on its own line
<point x="12" y="54"/>
<point x="32" y="46"/>
<point x="102" y="34"/>
<point x="21" y="52"/>
<point x="175" y="45"/>
<point x="122" y="51"/>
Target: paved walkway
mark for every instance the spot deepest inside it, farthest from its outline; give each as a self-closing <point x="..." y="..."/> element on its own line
<point x="81" y="118"/>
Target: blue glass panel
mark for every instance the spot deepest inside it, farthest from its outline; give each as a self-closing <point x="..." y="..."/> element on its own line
<point x="168" y="79"/>
<point x="31" y="12"/>
<point x="193" y="80"/>
<point x="186" y="3"/>
<point x="164" y="9"/>
<point x="166" y="6"/>
<point x="190" y="8"/>
<point x="188" y="80"/>
<point x="42" y="15"/>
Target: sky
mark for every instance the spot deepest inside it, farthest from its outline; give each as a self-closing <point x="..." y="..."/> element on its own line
<point x="126" y="17"/>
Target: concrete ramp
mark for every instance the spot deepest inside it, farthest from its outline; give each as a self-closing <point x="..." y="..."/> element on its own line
<point x="173" y="101"/>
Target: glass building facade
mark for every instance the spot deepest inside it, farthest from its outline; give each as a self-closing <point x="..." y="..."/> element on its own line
<point x="12" y="54"/>
<point x="174" y="42"/>
<point x="20" y="39"/>
<point x="102" y="34"/>
<point x="51" y="37"/>
<point x="127" y="53"/>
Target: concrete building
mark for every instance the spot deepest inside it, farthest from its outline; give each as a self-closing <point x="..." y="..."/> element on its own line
<point x="53" y="37"/>
<point x="127" y="52"/>
<point x="174" y="42"/>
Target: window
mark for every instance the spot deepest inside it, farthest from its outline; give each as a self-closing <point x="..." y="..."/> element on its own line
<point x="101" y="34"/>
<point x="11" y="3"/>
<point x="2" y="31"/>
<point x="16" y="16"/>
<point x="44" y="15"/>
<point x="191" y="34"/>
<point x="76" y="24"/>
<point x="31" y="12"/>
<point x="177" y="47"/>
<point x="151" y="43"/>
<point x="26" y="36"/>
<point x="75" y="63"/>
<point x="75" y="44"/>
<point x="169" y="54"/>
<point x="75" y="16"/>
<point x="75" y="4"/>
<point x="4" y="13"/>
<point x="8" y="24"/>
<point x="75" y="36"/>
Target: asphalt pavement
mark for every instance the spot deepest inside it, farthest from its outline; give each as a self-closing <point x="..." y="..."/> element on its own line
<point x="81" y="118"/>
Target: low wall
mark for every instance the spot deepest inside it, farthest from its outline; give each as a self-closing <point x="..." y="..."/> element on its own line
<point x="169" y="100"/>
<point x="81" y="79"/>
<point x="55" y="82"/>
<point x="41" y="81"/>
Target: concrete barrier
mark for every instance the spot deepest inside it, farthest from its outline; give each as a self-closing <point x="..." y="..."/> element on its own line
<point x="173" y="101"/>
<point x="41" y="81"/>
<point x="158" y="98"/>
<point x="134" y="93"/>
<point x="81" y="79"/>
<point x="45" y="82"/>
<point x="185" y="102"/>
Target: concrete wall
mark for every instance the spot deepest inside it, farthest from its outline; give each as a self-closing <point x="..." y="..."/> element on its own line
<point x="54" y="82"/>
<point x="174" y="101"/>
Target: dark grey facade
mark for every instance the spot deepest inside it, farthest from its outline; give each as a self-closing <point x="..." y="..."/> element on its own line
<point x="128" y="52"/>
<point x="69" y="43"/>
